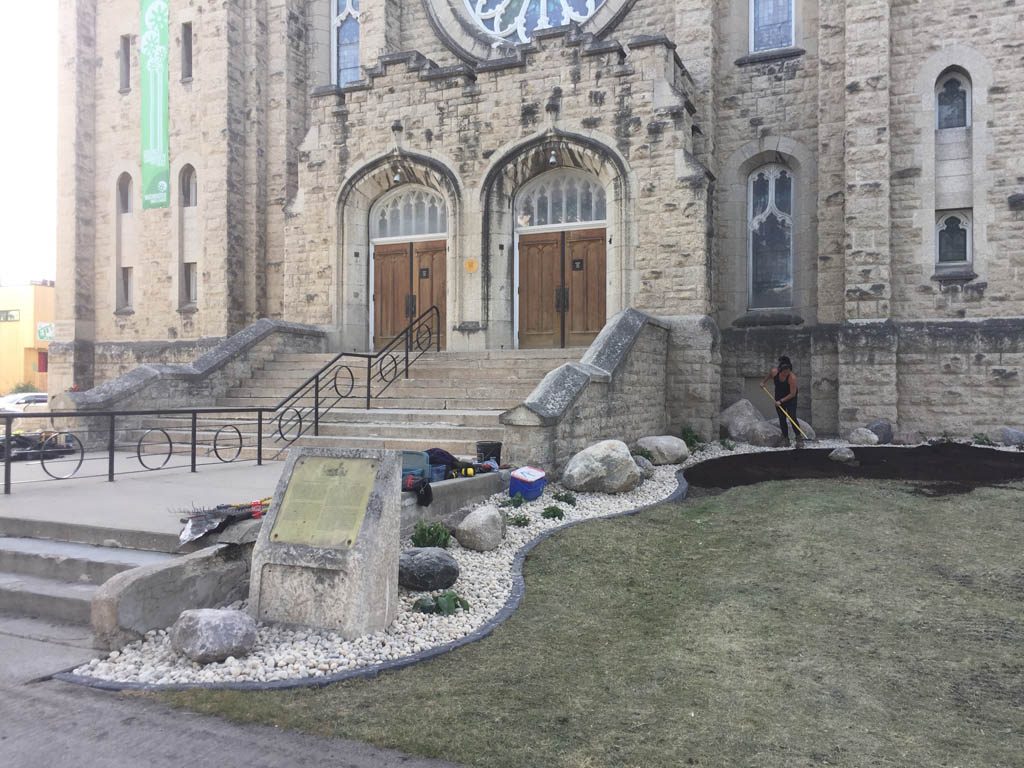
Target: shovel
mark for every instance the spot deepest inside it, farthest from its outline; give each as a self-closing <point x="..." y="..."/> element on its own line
<point x="789" y="418"/>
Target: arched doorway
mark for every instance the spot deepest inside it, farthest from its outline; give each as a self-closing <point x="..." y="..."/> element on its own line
<point x="561" y="260"/>
<point x="408" y="268"/>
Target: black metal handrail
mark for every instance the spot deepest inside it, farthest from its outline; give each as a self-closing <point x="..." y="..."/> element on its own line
<point x="63" y="448"/>
<point x="336" y="381"/>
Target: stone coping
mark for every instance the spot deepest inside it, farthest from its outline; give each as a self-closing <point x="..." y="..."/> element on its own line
<point x="515" y="597"/>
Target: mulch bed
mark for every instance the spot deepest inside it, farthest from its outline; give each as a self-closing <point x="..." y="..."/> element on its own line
<point x="958" y="468"/>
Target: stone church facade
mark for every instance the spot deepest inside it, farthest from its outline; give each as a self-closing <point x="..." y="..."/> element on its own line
<point x="840" y="181"/>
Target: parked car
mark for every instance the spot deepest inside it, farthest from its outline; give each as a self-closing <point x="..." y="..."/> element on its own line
<point x="20" y="402"/>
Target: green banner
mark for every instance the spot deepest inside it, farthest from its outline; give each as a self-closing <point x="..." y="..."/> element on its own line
<point x="153" y="66"/>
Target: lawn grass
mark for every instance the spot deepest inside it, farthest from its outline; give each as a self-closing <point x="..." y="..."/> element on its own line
<point x="787" y="624"/>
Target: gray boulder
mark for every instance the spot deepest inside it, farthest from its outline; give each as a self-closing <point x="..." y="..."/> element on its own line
<point x="1007" y="436"/>
<point x="426" y="569"/>
<point x="207" y="635"/>
<point x="862" y="436"/>
<point x="665" y="449"/>
<point x="765" y="434"/>
<point x="844" y="456"/>
<point x="883" y="429"/>
<point x="739" y="419"/>
<point x="646" y="468"/>
<point x="605" y="467"/>
<point x="482" y="529"/>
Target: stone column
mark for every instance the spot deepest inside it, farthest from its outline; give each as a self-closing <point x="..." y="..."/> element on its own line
<point x="71" y="357"/>
<point x="380" y="30"/>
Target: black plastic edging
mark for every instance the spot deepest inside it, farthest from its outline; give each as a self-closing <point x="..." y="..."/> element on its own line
<point x="511" y="604"/>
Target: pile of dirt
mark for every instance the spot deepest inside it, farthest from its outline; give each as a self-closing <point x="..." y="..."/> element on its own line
<point x="958" y="467"/>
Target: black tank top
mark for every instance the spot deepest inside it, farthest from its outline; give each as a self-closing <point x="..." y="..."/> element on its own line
<point x="782" y="388"/>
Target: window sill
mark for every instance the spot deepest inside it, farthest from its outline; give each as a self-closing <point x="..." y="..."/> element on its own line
<point x="959" y="274"/>
<point x="186" y="81"/>
<point x="767" y="317"/>
<point x="766" y="57"/>
<point x="124" y="91"/>
<point x="124" y="311"/>
<point x="188" y="309"/>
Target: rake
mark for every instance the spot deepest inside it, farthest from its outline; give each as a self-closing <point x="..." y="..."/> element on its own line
<point x="789" y="418"/>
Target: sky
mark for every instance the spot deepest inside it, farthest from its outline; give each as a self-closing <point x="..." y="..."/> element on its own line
<point x="28" y="142"/>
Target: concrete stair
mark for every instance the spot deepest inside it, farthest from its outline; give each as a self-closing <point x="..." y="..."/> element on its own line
<point x="56" y="580"/>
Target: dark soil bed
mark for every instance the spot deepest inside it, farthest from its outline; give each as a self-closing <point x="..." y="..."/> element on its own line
<point x="959" y="468"/>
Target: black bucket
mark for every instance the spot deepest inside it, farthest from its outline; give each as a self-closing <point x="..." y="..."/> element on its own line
<point x="487" y="450"/>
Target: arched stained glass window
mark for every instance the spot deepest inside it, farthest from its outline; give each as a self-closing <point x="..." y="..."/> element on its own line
<point x="515" y="21"/>
<point x="771" y="24"/>
<point x="953" y="237"/>
<point x="345" y="42"/>
<point x="953" y="102"/>
<point x="770" y="238"/>
<point x="409" y="212"/>
<point x="564" y="196"/>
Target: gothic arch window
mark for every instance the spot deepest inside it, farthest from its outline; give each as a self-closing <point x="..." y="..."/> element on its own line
<point x="953" y="238"/>
<point x="345" y="41"/>
<point x="772" y="25"/>
<point x="559" y="198"/>
<point x="124" y="194"/>
<point x="409" y="212"/>
<point x="770" y="194"/>
<point x="189" y="187"/>
<point x="953" y="101"/>
<point x="515" y="21"/>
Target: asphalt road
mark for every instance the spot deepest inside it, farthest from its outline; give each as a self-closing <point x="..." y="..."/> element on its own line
<point x="53" y="725"/>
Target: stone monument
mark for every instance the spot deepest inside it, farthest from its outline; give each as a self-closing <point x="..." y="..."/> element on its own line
<point x="327" y="554"/>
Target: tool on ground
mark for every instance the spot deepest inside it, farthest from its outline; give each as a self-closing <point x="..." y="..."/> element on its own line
<point x="791" y="420"/>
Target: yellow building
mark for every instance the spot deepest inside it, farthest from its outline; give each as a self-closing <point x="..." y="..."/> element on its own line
<point x="26" y="328"/>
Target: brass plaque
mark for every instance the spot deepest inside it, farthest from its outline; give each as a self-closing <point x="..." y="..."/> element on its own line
<point x="325" y="502"/>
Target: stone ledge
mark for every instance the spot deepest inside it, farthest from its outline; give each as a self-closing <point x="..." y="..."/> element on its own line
<point x="767" y="57"/>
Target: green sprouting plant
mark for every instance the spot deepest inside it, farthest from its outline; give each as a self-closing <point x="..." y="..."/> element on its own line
<point x="553" y="513"/>
<point x="727" y="444"/>
<point x="565" y="497"/>
<point x="446" y="604"/>
<point x="519" y="520"/>
<point x="431" y="535"/>
<point x="23" y="387"/>
<point x="980" y="438"/>
<point x="691" y="438"/>
<point x="643" y="453"/>
<point x="517" y="501"/>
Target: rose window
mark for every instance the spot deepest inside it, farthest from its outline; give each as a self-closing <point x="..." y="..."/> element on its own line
<point x="515" y="21"/>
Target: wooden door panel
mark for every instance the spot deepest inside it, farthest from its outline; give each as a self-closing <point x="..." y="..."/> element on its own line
<point x="391" y="285"/>
<point x="585" y="277"/>
<point x="430" y="278"/>
<point x="540" y="265"/>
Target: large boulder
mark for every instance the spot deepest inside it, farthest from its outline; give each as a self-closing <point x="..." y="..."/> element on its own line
<point x="862" y="436"/>
<point x="765" y="434"/>
<point x="665" y="449"/>
<point x="646" y="467"/>
<point x="883" y="429"/>
<point x="844" y="456"/>
<point x="482" y="529"/>
<point x="605" y="467"/>
<point x="1007" y="436"/>
<point x="426" y="569"/>
<point x="207" y="635"/>
<point x="807" y="428"/>
<point x="739" y="419"/>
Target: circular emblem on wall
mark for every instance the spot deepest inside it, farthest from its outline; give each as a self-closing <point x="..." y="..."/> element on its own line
<point x="515" y="21"/>
<point x="472" y="265"/>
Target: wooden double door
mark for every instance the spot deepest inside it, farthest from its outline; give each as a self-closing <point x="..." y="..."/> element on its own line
<point x="408" y="278"/>
<point x="562" y="278"/>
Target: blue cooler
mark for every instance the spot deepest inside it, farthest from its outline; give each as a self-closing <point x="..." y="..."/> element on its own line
<point x="417" y="464"/>
<point x="528" y="481"/>
<point x="437" y="472"/>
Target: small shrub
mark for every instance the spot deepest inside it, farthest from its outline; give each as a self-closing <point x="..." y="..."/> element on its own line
<point x="515" y="502"/>
<point x="691" y="438"/>
<point x="23" y="388"/>
<point x="727" y="444"/>
<point x="643" y="453"/>
<point x="446" y="604"/>
<point x="565" y="497"/>
<point x="519" y="520"/>
<point x="432" y="535"/>
<point x="980" y="438"/>
<point x="553" y="513"/>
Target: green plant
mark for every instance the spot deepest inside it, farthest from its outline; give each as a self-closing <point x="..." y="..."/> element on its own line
<point x="431" y="535"/>
<point x="519" y="520"/>
<point x="691" y="438"/>
<point x="727" y="444"/>
<point x="516" y="501"/>
<point x="644" y="453"/>
<point x="565" y="497"/>
<point x="553" y="513"/>
<point x="446" y="604"/>
<point x="23" y="387"/>
<point x="980" y="438"/>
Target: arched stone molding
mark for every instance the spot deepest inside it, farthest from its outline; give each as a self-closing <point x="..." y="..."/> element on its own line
<point x="357" y="195"/>
<point x="731" y="289"/>
<point x="467" y="40"/>
<point x="177" y="245"/>
<point x="974" y="65"/>
<point x="516" y="166"/>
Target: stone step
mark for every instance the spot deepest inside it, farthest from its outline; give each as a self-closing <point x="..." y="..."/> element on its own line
<point x="46" y="598"/>
<point x="181" y="438"/>
<point x="456" y="447"/>
<point x="408" y="389"/>
<point x="466" y="418"/>
<point x="113" y="538"/>
<point x="572" y="353"/>
<point x="65" y="561"/>
<point x="388" y="403"/>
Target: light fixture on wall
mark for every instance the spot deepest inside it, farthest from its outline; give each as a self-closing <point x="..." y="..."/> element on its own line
<point x="398" y="176"/>
<point x="553" y="160"/>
